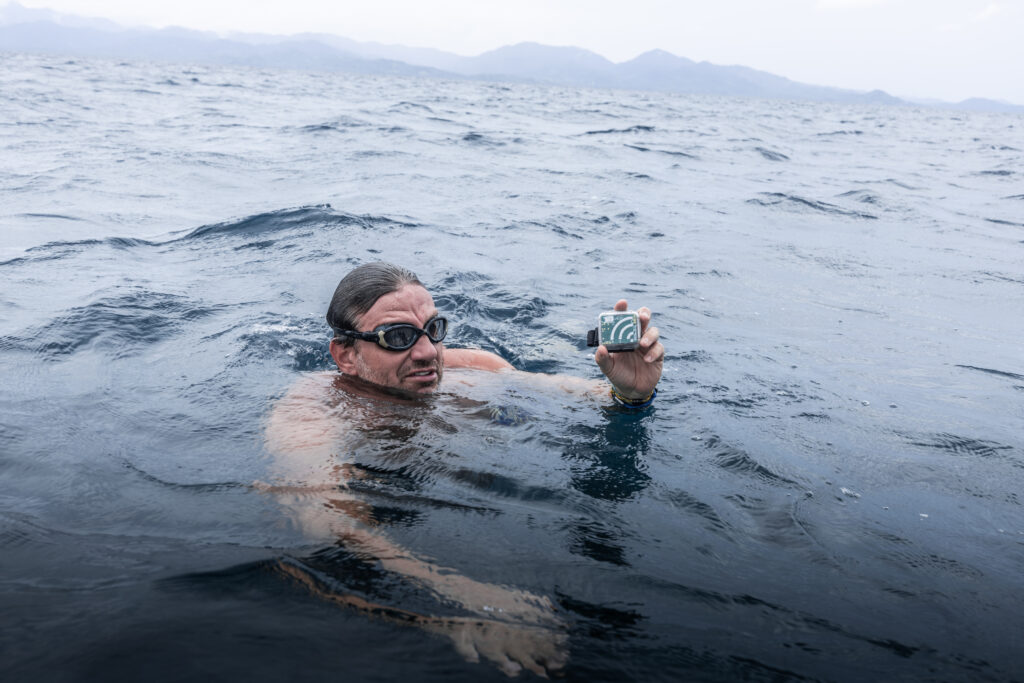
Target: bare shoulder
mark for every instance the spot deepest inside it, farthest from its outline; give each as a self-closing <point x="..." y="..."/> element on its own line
<point x="301" y="420"/>
<point x="476" y="359"/>
<point x="311" y="386"/>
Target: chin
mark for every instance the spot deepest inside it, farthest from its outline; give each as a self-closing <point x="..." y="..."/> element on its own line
<point x="407" y="391"/>
<point x="424" y="390"/>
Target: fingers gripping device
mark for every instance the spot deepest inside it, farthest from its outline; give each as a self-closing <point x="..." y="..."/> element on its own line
<point x="616" y="330"/>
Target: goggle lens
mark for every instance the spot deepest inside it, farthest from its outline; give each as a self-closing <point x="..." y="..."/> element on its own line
<point x="437" y="328"/>
<point x="402" y="336"/>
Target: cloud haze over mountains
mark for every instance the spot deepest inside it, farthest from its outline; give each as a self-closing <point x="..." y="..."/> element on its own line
<point x="30" y="30"/>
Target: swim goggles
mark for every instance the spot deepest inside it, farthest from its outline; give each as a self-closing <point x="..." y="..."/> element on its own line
<point x="400" y="336"/>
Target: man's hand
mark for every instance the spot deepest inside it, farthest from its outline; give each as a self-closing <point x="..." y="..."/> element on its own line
<point x="634" y="374"/>
<point x="511" y="647"/>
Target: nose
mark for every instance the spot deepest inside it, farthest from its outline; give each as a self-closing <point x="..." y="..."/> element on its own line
<point x="423" y="349"/>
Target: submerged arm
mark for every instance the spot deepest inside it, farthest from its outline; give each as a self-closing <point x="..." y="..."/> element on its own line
<point x="303" y="433"/>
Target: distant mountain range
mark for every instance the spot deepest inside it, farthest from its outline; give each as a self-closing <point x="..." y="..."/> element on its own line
<point x="31" y="30"/>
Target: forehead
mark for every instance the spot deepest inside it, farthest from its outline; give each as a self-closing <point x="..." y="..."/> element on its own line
<point x="409" y="304"/>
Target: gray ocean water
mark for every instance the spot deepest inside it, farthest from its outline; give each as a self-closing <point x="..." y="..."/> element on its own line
<point x="828" y="487"/>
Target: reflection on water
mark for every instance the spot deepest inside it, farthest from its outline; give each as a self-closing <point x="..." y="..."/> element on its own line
<point x="608" y="461"/>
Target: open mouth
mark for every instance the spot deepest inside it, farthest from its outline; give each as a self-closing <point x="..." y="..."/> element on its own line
<point x="423" y="375"/>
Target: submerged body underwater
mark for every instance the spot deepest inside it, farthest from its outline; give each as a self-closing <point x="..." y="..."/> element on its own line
<point x="827" y="486"/>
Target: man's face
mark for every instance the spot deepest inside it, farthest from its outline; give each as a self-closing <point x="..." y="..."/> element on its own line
<point x="418" y="369"/>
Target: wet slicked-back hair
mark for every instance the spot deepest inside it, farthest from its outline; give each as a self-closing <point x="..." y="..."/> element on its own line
<point x="359" y="290"/>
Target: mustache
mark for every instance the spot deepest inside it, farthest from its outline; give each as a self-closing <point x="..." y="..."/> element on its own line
<point x="425" y="365"/>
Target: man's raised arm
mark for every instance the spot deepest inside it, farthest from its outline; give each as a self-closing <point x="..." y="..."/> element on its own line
<point x="633" y="375"/>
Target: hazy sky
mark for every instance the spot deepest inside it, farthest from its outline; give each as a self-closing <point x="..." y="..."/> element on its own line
<point x="947" y="49"/>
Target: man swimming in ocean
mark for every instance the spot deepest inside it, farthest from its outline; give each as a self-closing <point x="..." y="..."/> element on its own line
<point x="388" y="346"/>
<point x="388" y="334"/>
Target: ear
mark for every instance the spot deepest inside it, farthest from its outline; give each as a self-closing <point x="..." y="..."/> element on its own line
<point x="343" y="356"/>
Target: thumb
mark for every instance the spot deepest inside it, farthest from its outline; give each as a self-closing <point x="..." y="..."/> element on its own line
<point x="604" y="359"/>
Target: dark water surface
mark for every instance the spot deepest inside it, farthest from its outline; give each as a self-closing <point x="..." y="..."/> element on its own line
<point x="830" y="484"/>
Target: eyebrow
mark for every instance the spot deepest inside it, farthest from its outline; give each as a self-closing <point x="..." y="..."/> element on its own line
<point x="406" y="322"/>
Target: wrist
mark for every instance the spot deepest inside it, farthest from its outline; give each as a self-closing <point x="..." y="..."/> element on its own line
<point x="631" y="394"/>
<point x="633" y="402"/>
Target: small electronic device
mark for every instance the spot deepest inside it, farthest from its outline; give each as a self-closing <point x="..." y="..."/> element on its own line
<point x="616" y="330"/>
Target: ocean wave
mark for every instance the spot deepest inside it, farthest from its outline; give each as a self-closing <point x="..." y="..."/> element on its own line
<point x="318" y="216"/>
<point x="52" y="251"/>
<point x="781" y="198"/>
<point x="51" y="215"/>
<point x="901" y="184"/>
<point x="1000" y="221"/>
<point x="669" y="152"/>
<point x="410" y="106"/>
<point x="120" y="325"/>
<point x="962" y="445"/>
<point x="461" y="294"/>
<point x="991" y="371"/>
<point x="303" y="345"/>
<point x="738" y="461"/>
<point x="260" y="224"/>
<point x="771" y="155"/>
<point x="619" y="131"/>
<point x="862" y="196"/>
<point x="340" y="123"/>
<point x="998" y="277"/>
<point x="482" y="140"/>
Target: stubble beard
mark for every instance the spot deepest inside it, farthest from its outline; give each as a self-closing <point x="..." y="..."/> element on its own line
<point x="368" y="374"/>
